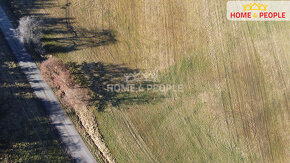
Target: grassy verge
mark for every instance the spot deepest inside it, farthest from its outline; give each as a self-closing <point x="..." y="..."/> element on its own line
<point x="26" y="135"/>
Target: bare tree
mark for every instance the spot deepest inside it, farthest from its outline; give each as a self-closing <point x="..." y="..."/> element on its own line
<point x="30" y="33"/>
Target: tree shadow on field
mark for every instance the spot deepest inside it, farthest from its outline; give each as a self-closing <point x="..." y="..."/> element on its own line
<point x="110" y="85"/>
<point x="60" y="34"/>
<point x="87" y="39"/>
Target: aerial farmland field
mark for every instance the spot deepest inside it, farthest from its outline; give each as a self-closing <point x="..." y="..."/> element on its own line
<point x="233" y="105"/>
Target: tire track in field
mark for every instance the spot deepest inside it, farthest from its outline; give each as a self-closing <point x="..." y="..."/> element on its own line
<point x="277" y="60"/>
<point x="138" y="139"/>
<point x="261" y="85"/>
<point x="227" y="68"/>
<point x="209" y="25"/>
<point x="232" y="87"/>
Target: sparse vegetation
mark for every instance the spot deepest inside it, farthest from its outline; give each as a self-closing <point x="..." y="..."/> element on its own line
<point x="76" y="98"/>
<point x="55" y="72"/>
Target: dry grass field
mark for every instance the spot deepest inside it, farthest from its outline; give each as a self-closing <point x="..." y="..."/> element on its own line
<point x="235" y="103"/>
